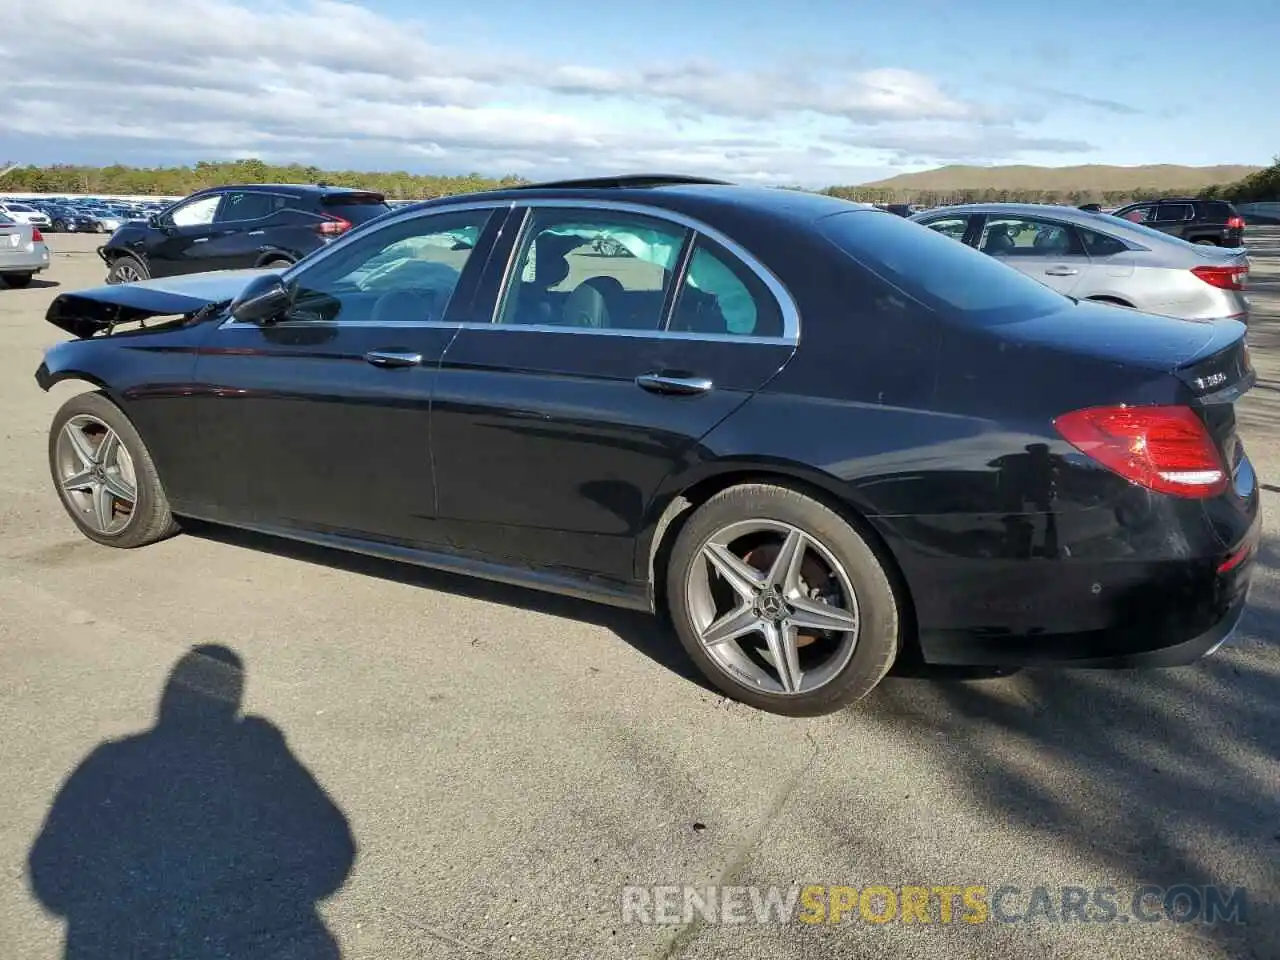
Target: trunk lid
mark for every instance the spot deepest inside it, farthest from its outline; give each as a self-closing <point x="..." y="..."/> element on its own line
<point x="1122" y="335"/>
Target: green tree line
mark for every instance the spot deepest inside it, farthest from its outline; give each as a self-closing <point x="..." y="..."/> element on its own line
<point x="1263" y="185"/>
<point x="179" y="181"/>
<point x="402" y="185"/>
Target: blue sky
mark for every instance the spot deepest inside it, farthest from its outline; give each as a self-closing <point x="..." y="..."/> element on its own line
<point x="789" y="92"/>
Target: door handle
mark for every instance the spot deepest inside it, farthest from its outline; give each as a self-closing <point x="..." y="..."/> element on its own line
<point x="200" y="240"/>
<point x="393" y="358"/>
<point x="255" y="233"/>
<point x="679" y="386"/>
<point x="1061" y="272"/>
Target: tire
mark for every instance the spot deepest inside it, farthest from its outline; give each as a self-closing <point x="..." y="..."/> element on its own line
<point x="17" y="280"/>
<point x="149" y="518"/>
<point x="1205" y="243"/>
<point x="124" y="265"/>
<point x="859" y="658"/>
<point x="277" y="263"/>
<point x="59" y="227"/>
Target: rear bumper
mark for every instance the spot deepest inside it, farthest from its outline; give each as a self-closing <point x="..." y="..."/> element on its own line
<point x="23" y="262"/>
<point x="1134" y="608"/>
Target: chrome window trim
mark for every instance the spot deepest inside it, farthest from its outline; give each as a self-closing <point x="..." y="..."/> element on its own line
<point x="786" y="303"/>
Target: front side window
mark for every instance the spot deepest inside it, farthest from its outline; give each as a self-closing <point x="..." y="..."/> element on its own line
<point x="953" y="227"/>
<point x="1027" y="237"/>
<point x="721" y="295"/>
<point x="951" y="278"/>
<point x="592" y="269"/>
<point x="196" y="213"/>
<point x="1137" y="214"/>
<point x="403" y="273"/>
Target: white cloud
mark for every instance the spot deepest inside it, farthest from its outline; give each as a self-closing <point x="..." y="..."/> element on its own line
<point x="334" y="84"/>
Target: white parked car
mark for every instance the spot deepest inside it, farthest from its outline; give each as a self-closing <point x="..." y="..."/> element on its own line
<point x="24" y="213"/>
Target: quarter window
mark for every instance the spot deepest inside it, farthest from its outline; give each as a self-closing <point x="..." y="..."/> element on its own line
<point x="592" y="269"/>
<point x="401" y="273"/>
<point x="1101" y="245"/>
<point x="720" y="295"/>
<point x="1025" y="237"/>
<point x="196" y="213"/>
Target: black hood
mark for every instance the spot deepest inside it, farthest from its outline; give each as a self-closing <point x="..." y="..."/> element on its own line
<point x="87" y="312"/>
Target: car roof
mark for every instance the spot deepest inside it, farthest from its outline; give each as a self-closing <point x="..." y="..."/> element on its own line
<point x="689" y="195"/>
<point x="300" y="189"/>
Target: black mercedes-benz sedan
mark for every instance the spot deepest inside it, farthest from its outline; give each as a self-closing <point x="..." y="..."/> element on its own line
<point x="818" y="437"/>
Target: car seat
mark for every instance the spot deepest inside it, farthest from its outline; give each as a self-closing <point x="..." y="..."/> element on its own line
<point x="998" y="240"/>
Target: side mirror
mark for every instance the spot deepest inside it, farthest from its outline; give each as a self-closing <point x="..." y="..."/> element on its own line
<point x="264" y="299"/>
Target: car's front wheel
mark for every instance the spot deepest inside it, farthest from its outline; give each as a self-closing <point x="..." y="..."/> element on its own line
<point x="127" y="269"/>
<point x="104" y="474"/>
<point x="781" y="602"/>
<point x="59" y="226"/>
<point x="16" y="280"/>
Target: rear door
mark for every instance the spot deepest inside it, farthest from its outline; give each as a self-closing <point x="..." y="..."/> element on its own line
<point x="1172" y="218"/>
<point x="611" y="343"/>
<point x="1043" y="249"/>
<point x="240" y="229"/>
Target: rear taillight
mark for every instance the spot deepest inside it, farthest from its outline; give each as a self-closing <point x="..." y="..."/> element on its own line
<point x="36" y="235"/>
<point x="1224" y="278"/>
<point x="332" y="226"/>
<point x="1165" y="449"/>
<point x="1235" y="223"/>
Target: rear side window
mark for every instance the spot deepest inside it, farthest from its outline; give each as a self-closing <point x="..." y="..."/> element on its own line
<point x="250" y="206"/>
<point x="356" y="208"/>
<point x="1174" y="212"/>
<point x="949" y="277"/>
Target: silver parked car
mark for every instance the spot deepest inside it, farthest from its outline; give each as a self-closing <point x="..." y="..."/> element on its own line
<point x="23" y="252"/>
<point x="1091" y="256"/>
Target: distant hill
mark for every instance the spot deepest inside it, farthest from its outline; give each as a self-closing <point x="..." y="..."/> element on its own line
<point x="1088" y="178"/>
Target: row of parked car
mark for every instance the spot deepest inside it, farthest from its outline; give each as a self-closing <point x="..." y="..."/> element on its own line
<point x="77" y="214"/>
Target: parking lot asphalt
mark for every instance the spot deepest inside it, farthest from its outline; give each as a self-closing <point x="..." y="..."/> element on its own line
<point x="495" y="765"/>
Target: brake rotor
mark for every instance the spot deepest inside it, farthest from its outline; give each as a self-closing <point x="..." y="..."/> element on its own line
<point x="812" y="571"/>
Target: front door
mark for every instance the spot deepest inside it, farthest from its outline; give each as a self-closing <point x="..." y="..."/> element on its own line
<point x="180" y="244"/>
<point x="1045" y="250"/>
<point x="618" y="342"/>
<point x="321" y="421"/>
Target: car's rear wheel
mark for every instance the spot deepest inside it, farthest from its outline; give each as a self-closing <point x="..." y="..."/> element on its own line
<point x="279" y="263"/>
<point x="781" y="602"/>
<point x="104" y="474"/>
<point x="127" y="269"/>
<point x="16" y="279"/>
<point x="1205" y="243"/>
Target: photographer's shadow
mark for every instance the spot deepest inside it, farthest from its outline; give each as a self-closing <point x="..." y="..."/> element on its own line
<point x="201" y="837"/>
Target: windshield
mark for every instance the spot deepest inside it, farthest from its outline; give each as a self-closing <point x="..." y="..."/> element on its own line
<point x="1141" y="229"/>
<point x="947" y="276"/>
<point x="21" y="207"/>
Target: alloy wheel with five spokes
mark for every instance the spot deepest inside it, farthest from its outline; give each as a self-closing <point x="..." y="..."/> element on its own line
<point x="96" y="474"/>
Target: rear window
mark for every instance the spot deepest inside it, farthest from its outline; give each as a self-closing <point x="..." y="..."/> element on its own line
<point x="356" y="208"/>
<point x="947" y="276"/>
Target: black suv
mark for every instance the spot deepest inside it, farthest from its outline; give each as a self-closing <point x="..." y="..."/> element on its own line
<point x="227" y="228"/>
<point x="1208" y="222"/>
